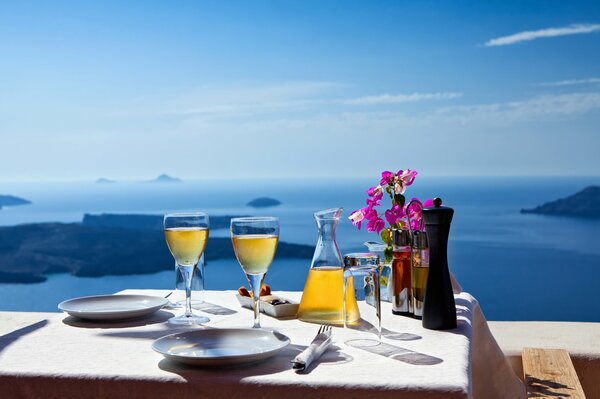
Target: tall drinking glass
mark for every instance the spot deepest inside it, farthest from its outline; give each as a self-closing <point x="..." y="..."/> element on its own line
<point x="186" y="235"/>
<point x="255" y="243"/>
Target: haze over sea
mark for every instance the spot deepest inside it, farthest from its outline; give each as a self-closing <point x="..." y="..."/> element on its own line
<point x="520" y="267"/>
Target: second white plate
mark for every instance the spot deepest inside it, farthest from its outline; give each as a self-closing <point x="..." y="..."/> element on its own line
<point x="112" y="307"/>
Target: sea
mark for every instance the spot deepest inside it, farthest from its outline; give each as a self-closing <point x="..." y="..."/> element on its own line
<point x="518" y="266"/>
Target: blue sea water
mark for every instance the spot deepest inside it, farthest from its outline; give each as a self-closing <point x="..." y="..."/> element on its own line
<point x="520" y="267"/>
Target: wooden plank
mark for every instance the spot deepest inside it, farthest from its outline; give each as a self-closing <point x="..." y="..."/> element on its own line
<point x="549" y="373"/>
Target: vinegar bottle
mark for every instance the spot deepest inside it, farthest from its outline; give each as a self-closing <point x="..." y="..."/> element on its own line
<point x="402" y="296"/>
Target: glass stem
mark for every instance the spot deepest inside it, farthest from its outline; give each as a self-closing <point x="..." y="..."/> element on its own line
<point x="187" y="272"/>
<point x="256" y="281"/>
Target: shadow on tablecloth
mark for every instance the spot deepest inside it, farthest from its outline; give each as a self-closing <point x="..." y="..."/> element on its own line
<point x="8" y="339"/>
<point x="156" y="318"/>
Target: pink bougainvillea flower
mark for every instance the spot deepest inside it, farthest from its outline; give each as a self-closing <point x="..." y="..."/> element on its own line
<point x="374" y="190"/>
<point x="428" y="203"/>
<point x="413" y="208"/>
<point x="399" y="188"/>
<point x="375" y="225"/>
<point x="386" y="177"/>
<point x="415" y="224"/>
<point x="357" y="217"/>
<point x="369" y="213"/>
<point x="394" y="215"/>
<point x="375" y="200"/>
<point x="407" y="177"/>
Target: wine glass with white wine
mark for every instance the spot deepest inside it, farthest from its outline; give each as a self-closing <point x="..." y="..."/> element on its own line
<point x="186" y="235"/>
<point x="255" y="243"/>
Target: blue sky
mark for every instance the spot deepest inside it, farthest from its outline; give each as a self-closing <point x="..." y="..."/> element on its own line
<point x="298" y="88"/>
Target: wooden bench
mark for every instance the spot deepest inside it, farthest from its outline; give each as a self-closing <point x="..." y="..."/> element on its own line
<point x="549" y="373"/>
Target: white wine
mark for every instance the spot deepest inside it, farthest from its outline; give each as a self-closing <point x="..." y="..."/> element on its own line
<point x="255" y="252"/>
<point x="186" y="244"/>
<point x="323" y="297"/>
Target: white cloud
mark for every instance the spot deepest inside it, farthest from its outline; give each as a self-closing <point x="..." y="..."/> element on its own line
<point x="250" y="101"/>
<point x="400" y="98"/>
<point x="572" y="82"/>
<point x="545" y="107"/>
<point x="574" y="29"/>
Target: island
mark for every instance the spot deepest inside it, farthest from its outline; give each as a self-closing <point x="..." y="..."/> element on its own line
<point x="104" y="245"/>
<point x="11" y="200"/>
<point x="584" y="204"/>
<point x="103" y="180"/>
<point x="165" y="179"/>
<point x="263" y="202"/>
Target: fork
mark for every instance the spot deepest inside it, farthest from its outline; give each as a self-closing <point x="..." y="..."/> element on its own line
<point x="316" y="348"/>
<point x="324" y="329"/>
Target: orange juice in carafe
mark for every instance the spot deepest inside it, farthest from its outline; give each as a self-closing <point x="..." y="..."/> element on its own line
<point x="323" y="296"/>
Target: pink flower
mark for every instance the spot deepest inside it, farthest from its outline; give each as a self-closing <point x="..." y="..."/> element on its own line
<point x="414" y="211"/>
<point x="428" y="203"/>
<point x="415" y="224"/>
<point x="374" y="190"/>
<point x="386" y="177"/>
<point x="407" y="177"/>
<point x="375" y="200"/>
<point x="394" y="215"/>
<point x="375" y="225"/>
<point x="399" y="187"/>
<point x="357" y="217"/>
<point x="369" y="213"/>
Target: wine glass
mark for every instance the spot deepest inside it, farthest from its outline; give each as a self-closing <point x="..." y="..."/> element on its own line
<point x="186" y="235"/>
<point x="255" y="242"/>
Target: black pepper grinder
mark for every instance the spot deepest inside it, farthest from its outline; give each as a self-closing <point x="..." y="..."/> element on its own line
<point x="439" y="309"/>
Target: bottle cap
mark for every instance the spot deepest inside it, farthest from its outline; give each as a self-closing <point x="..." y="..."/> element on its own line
<point x="401" y="238"/>
<point x="361" y="259"/>
<point x="419" y="239"/>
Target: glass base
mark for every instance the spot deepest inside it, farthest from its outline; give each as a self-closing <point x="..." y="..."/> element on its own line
<point x="192" y="320"/>
<point x="362" y="343"/>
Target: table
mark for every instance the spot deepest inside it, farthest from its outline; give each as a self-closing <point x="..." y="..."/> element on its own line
<point x="52" y="355"/>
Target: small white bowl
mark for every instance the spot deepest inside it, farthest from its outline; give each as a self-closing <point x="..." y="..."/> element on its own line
<point x="289" y="309"/>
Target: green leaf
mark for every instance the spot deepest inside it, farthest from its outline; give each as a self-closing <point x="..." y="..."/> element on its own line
<point x="387" y="253"/>
<point x="400" y="199"/>
<point x="386" y="236"/>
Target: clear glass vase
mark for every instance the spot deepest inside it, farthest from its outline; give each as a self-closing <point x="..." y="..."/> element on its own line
<point x="385" y="269"/>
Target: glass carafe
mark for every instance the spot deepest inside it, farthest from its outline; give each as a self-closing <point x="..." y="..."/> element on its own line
<point x="323" y="296"/>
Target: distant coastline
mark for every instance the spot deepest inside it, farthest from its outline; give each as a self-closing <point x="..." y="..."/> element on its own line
<point x="583" y="204"/>
<point x="104" y="245"/>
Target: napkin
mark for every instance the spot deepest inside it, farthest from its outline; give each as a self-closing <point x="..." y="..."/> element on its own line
<point x="316" y="348"/>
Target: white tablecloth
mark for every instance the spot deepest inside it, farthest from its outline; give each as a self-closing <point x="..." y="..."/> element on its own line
<point x="59" y="356"/>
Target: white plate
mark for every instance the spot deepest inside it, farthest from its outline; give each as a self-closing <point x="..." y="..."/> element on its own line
<point x="112" y="307"/>
<point x="221" y="346"/>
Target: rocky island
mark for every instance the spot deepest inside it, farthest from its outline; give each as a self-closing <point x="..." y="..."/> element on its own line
<point x="584" y="204"/>
<point x="104" y="245"/>
<point x="165" y="179"/>
<point x="11" y="200"/>
<point x="263" y="202"/>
